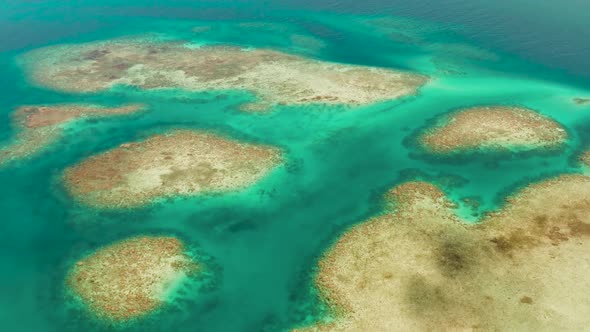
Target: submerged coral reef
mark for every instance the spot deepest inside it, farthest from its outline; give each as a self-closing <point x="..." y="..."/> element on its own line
<point x="132" y="277"/>
<point x="180" y="162"/>
<point x="39" y="126"/>
<point x="493" y="128"/>
<point x="419" y="267"/>
<point x="274" y="77"/>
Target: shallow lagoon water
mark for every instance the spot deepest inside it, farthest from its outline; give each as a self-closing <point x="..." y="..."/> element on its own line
<point x="261" y="244"/>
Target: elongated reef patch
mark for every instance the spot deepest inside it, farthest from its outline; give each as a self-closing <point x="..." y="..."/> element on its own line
<point x="274" y="77"/>
<point x="178" y="163"/>
<point x="41" y="125"/>
<point x="494" y="128"/>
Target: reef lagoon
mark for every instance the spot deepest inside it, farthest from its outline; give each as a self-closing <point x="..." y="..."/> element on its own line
<point x="264" y="243"/>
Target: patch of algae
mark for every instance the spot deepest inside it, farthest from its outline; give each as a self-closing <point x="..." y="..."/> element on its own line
<point x="40" y="126"/>
<point x="131" y="278"/>
<point x="418" y="267"/>
<point x="274" y="77"/>
<point x="495" y="128"/>
<point x="181" y="162"/>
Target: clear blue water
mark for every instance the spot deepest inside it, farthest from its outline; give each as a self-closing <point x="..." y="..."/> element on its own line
<point x="263" y="243"/>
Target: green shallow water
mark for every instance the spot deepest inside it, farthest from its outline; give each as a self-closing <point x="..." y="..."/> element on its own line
<point x="262" y="244"/>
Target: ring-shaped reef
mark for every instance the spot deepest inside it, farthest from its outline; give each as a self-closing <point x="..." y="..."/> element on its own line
<point x="176" y="163"/>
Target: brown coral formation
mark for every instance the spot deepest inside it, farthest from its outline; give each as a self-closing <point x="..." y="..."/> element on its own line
<point x="181" y="162"/>
<point x="419" y="268"/>
<point x="582" y="101"/>
<point x="132" y="277"/>
<point x="39" y="126"/>
<point x="274" y="77"/>
<point x="493" y="128"/>
<point x="585" y="158"/>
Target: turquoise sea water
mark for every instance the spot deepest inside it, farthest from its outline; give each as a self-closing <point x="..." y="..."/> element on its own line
<point x="262" y="244"/>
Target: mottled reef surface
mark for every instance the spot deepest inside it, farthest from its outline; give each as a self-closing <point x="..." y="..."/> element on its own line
<point x="132" y="277"/>
<point x="180" y="162"/>
<point x="274" y="77"/>
<point x="416" y="267"/>
<point x="41" y="125"/>
<point x="419" y="267"/>
<point x="493" y="128"/>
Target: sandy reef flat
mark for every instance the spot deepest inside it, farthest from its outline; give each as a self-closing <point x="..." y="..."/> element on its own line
<point x="274" y="77"/>
<point x="418" y="267"/>
<point x="39" y="126"/>
<point x="181" y="162"/>
<point x="493" y="128"/>
<point x="131" y="278"/>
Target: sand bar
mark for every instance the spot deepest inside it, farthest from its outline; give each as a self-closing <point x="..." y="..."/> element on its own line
<point x="418" y="267"/>
<point x="131" y="278"/>
<point x="41" y="125"/>
<point x="274" y="77"/>
<point x="180" y="162"/>
<point x="496" y="128"/>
